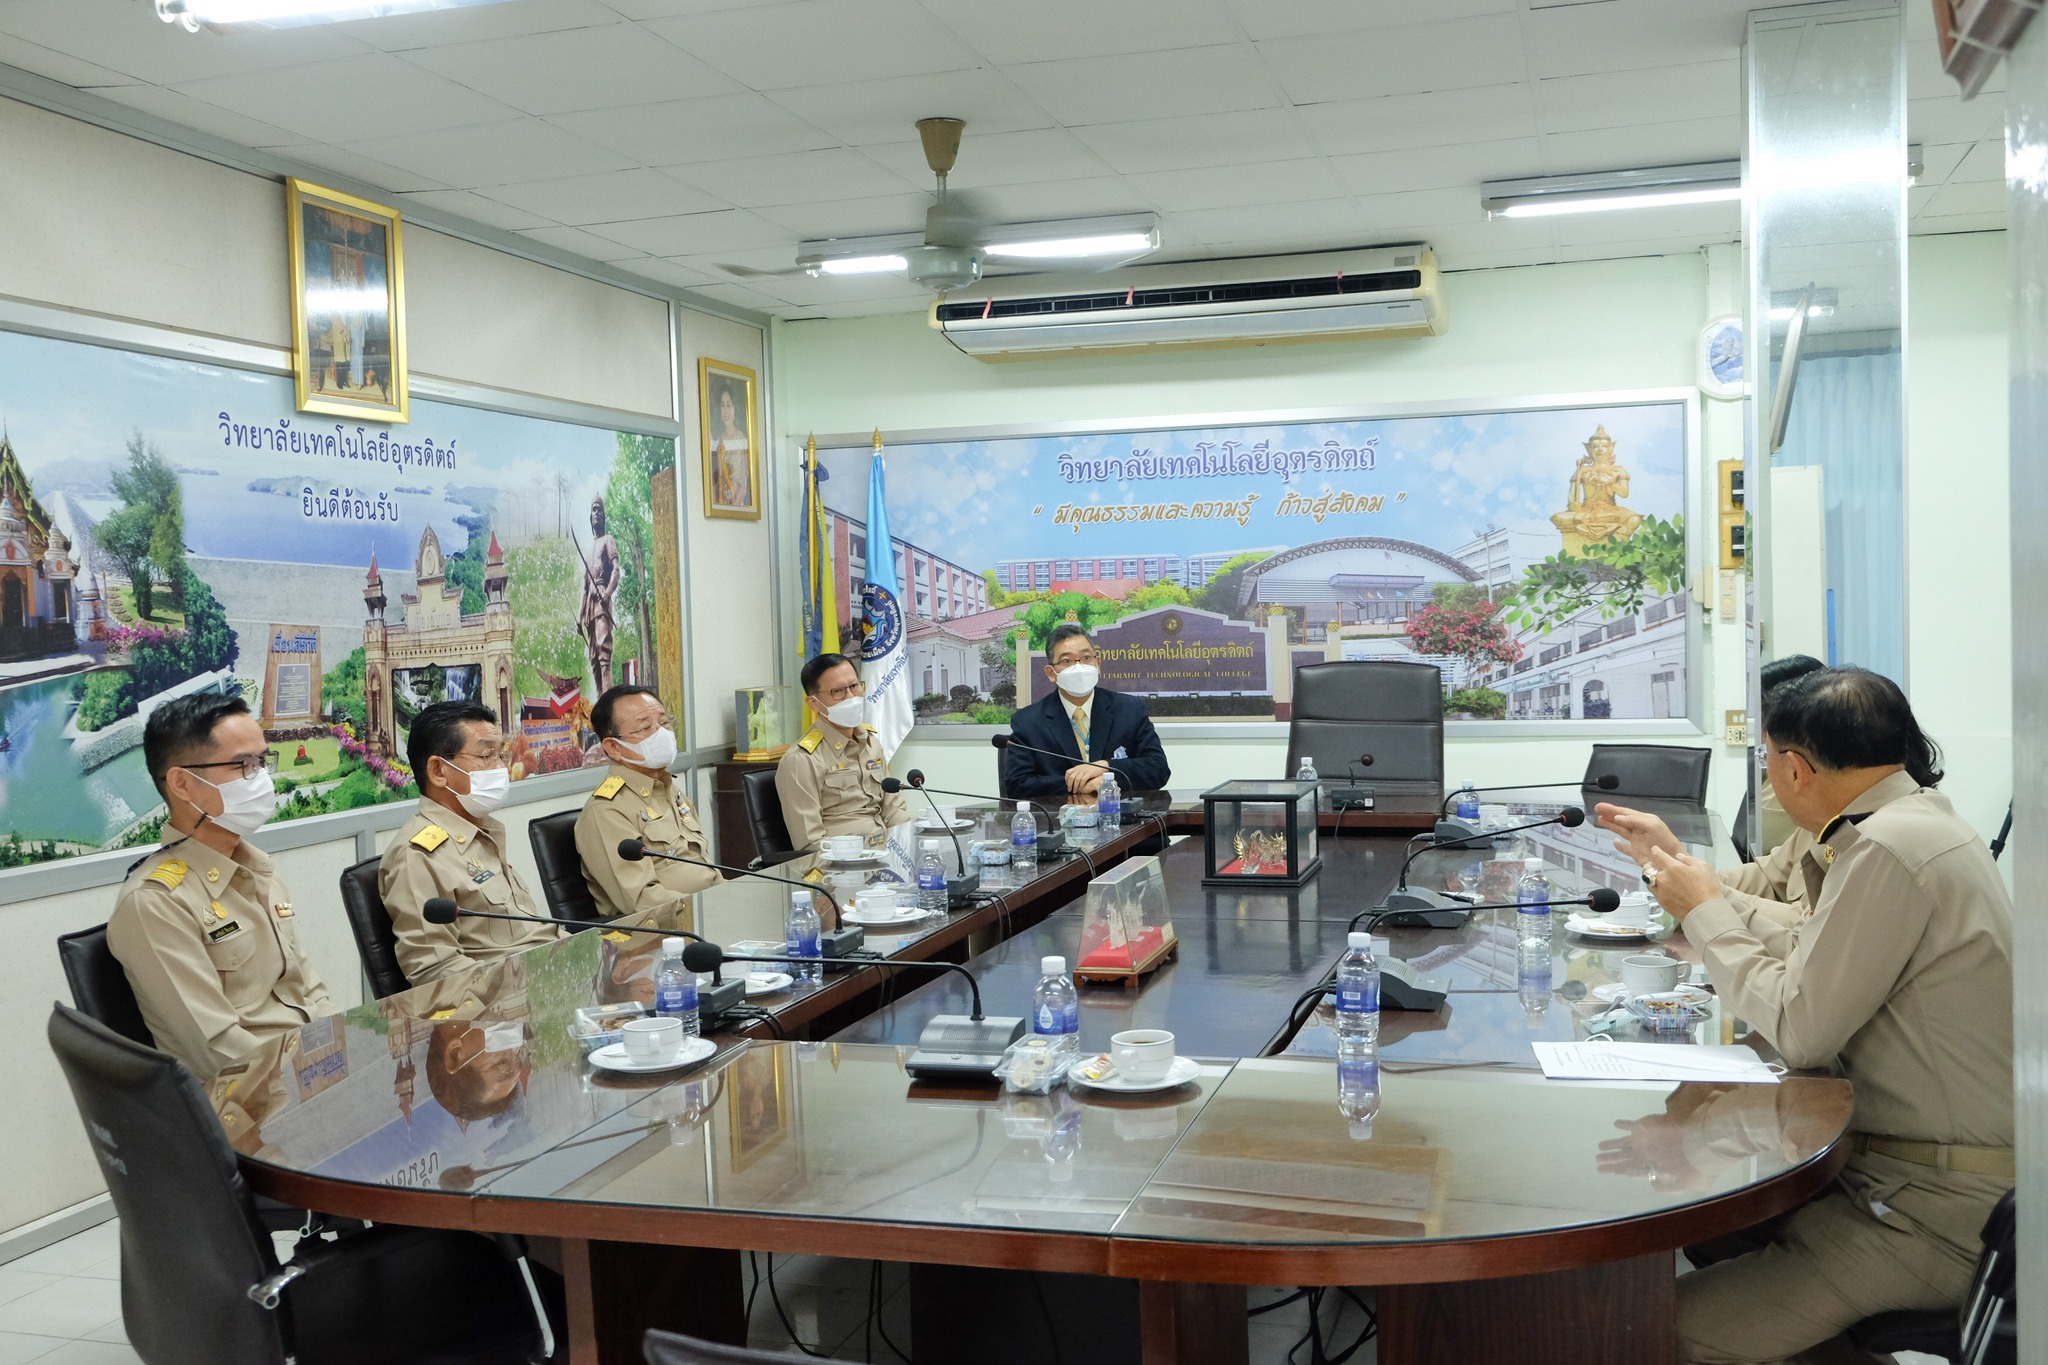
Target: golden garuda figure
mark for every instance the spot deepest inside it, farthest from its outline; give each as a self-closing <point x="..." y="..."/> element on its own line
<point x="1592" y="516"/>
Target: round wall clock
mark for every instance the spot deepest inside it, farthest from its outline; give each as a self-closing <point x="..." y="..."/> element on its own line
<point x="1721" y="373"/>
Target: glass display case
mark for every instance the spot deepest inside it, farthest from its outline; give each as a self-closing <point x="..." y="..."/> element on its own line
<point x="1260" y="833"/>
<point x="766" y="721"/>
<point x="1126" y="930"/>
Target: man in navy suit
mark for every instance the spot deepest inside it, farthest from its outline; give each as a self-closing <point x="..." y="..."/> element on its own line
<point x="1098" y="731"/>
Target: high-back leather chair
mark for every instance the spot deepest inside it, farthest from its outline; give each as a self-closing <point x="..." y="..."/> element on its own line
<point x="561" y="867"/>
<point x="1377" y="722"/>
<point x="99" y="986"/>
<point x="200" y="1279"/>
<point x="370" y="922"/>
<point x="1671" y="772"/>
<point x="764" y="817"/>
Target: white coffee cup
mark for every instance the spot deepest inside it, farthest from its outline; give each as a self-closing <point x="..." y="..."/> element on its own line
<point x="652" y="1040"/>
<point x="879" y="901"/>
<point x="844" y="845"/>
<point x="1649" y="973"/>
<point x="1634" y="909"/>
<point x="946" y="814"/>
<point x="1142" y="1055"/>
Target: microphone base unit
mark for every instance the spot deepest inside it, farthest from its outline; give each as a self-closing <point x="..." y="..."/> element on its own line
<point x="840" y="942"/>
<point x="1352" y="798"/>
<point x="720" y="999"/>
<point x="960" y="889"/>
<point x="1416" y="908"/>
<point x="956" y="1048"/>
<point x="1404" y="988"/>
<point x="1450" y="829"/>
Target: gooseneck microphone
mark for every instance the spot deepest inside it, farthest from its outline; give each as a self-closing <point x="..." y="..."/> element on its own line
<point x="1006" y="741"/>
<point x="916" y="781"/>
<point x="1600" y="900"/>
<point x="1435" y="910"/>
<point x="1606" y="782"/>
<point x="633" y="850"/>
<point x="1052" y="840"/>
<point x="706" y="957"/>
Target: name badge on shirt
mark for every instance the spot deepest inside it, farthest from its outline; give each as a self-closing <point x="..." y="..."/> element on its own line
<point x="479" y="874"/>
<point x="230" y="928"/>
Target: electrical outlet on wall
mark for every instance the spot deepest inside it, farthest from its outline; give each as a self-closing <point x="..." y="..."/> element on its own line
<point x="1735" y="728"/>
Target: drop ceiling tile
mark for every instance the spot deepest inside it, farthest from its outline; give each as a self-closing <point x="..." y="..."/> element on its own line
<point x="1500" y="234"/>
<point x="1462" y="261"/>
<point x="1918" y="197"/>
<point x="668" y="9"/>
<point x="187" y="112"/>
<point x="999" y="159"/>
<point x="492" y="153"/>
<point x="1649" y="144"/>
<point x="476" y="208"/>
<point x="1270" y="182"/>
<point x="1621" y="251"/>
<point x="886" y="111"/>
<point x="1417" y="211"/>
<point x="585" y="68"/>
<point x="1663" y="94"/>
<point x="612" y="197"/>
<point x="690" y="234"/>
<point x="1007" y="33"/>
<point x="1264" y="19"/>
<point x="1972" y="222"/>
<point x="668" y="272"/>
<point x="55" y="65"/>
<point x="126" y="36"/>
<point x="353" y="99"/>
<point x="1436" y="119"/>
<point x="715" y="128"/>
<point x="1924" y="77"/>
<point x="1626" y="35"/>
<point x="1938" y="163"/>
<point x="476" y="23"/>
<point x="588" y="245"/>
<point x="793" y="178"/>
<point x="1172" y="84"/>
<point x="740" y="266"/>
<point x="1696" y="222"/>
<point x="740" y="296"/>
<point x="825" y="289"/>
<point x="1270" y="223"/>
<point x="818" y="42"/>
<point x="1430" y="168"/>
<point x="850" y="217"/>
<point x="1985" y="161"/>
<point x="1972" y="197"/>
<point x="1057" y="199"/>
<point x="1449" y="54"/>
<point x="1949" y="119"/>
<point x="1174" y="144"/>
<point x="315" y="157"/>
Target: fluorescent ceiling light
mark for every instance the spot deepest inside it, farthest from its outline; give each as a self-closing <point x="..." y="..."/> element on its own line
<point x="1113" y="238"/>
<point x="1710" y="182"/>
<point x="1076" y="248"/>
<point x="197" y="14"/>
<point x="858" y="265"/>
<point x="1548" y="205"/>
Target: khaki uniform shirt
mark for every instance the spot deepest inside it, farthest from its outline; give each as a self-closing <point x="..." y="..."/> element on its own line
<point x="1770" y="893"/>
<point x="440" y="852"/>
<point x="1774" y="826"/>
<point x="1899" y="966"/>
<point x="211" y="947"/>
<point x="831" y="783"/>
<point x="634" y="805"/>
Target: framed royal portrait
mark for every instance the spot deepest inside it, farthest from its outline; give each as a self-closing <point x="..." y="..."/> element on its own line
<point x="758" y="1102"/>
<point x="732" y="459"/>
<point x="348" y="304"/>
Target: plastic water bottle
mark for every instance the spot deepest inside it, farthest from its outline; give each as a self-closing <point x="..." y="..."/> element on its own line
<point x="1468" y="802"/>
<point x="1533" y="978"/>
<point x="1358" y="1085"/>
<point x="931" y="878"/>
<point x="675" y="988"/>
<point x="1056" y="1007"/>
<point x="800" y="938"/>
<point x="1532" y="905"/>
<point x="1109" y="803"/>
<point x="1024" y="837"/>
<point x="1358" y="993"/>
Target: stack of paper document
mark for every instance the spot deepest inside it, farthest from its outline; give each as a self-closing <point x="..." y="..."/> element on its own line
<point x="1604" y="1061"/>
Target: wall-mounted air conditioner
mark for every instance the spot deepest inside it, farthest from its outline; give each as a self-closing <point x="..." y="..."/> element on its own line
<point x="1380" y="292"/>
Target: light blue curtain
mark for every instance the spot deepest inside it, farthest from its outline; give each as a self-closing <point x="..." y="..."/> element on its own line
<point x="1848" y="418"/>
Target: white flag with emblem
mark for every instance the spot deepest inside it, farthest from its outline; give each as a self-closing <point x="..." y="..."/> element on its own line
<point x="885" y="646"/>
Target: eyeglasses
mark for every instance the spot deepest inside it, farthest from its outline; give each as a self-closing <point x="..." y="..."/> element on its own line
<point x="1069" y="660"/>
<point x="248" y="767"/>
<point x="660" y="722"/>
<point x="852" y="689"/>
<point x="500" y="754"/>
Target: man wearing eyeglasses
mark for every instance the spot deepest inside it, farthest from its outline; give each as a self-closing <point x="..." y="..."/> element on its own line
<point x="1896" y="962"/>
<point x="455" y="848"/>
<point x="1099" y="731"/>
<point x="830" y="781"/>
<point x="639" y="800"/>
<point x="204" y="926"/>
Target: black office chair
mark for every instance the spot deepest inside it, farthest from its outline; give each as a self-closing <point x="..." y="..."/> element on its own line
<point x="200" y="1281"/>
<point x="1738" y="834"/>
<point x="764" y="817"/>
<point x="370" y="922"/>
<point x="1985" y="1331"/>
<point x="561" y="867"/>
<point x="670" y="1348"/>
<point x="1377" y="722"/>
<point x="99" y="987"/>
<point x="1672" y="772"/>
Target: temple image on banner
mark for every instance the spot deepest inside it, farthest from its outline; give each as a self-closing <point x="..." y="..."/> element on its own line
<point x="437" y="653"/>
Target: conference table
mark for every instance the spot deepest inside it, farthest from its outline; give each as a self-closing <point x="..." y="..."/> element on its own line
<point x="1499" y="1215"/>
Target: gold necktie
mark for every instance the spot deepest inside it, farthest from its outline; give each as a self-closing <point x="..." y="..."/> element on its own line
<point x="1081" y="730"/>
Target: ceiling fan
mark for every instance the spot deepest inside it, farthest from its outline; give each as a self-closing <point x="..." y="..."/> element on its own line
<point x="959" y="243"/>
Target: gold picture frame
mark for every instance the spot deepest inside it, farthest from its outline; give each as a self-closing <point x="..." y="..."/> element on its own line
<point x="757" y="1098"/>
<point x="732" y="482"/>
<point x="348" y="304"/>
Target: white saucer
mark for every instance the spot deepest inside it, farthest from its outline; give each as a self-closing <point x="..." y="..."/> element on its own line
<point x="612" y="1057"/>
<point x="1614" y="993"/>
<point x="1598" y="928"/>
<point x="767" y="983"/>
<point x="957" y="826"/>
<point x="866" y="859"/>
<point x="903" y="914"/>
<point x="1183" y="1070"/>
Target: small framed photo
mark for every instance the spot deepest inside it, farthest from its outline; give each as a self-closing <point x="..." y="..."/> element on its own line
<point x="732" y="463"/>
<point x="348" y="304"/>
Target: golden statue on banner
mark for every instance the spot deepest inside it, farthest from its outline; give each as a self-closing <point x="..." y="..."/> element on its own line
<point x="1591" y="515"/>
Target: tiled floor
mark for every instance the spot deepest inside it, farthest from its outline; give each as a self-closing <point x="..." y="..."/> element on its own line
<point x="62" y="1305"/>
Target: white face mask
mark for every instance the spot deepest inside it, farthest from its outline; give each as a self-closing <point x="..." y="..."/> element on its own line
<point x="504" y="1037"/>
<point x="1078" y="680"/>
<point x="658" y="750"/>
<point x="246" y="804"/>
<point x="847" y="712"/>
<point x="487" y="791"/>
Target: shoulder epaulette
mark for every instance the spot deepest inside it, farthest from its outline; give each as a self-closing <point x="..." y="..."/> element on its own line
<point x="168" y="873"/>
<point x="609" y="788"/>
<point x="813" y="737"/>
<point x="430" y="838"/>
<point x="871" y="729"/>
